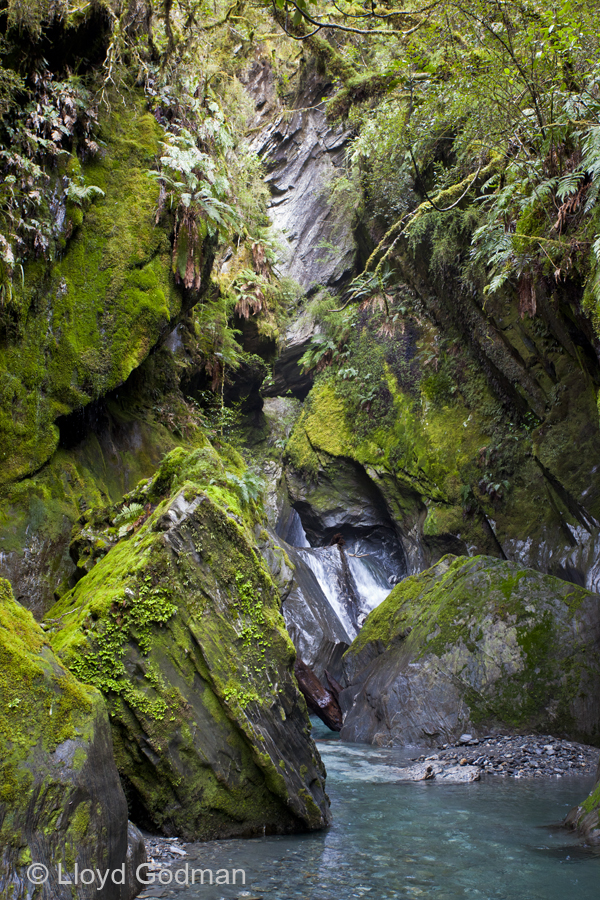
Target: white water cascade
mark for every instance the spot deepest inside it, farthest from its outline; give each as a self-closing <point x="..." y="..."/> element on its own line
<point x="336" y="588"/>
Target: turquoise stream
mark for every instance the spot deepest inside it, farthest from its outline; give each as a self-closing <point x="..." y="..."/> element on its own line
<point x="496" y="839"/>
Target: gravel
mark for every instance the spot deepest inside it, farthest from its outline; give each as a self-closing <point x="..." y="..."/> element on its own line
<point x="521" y="756"/>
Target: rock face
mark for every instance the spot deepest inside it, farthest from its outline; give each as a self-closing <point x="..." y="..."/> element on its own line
<point x="302" y="154"/>
<point x="586" y="818"/>
<point x="61" y="800"/>
<point x="179" y="625"/>
<point x="317" y="632"/>
<point x="472" y="643"/>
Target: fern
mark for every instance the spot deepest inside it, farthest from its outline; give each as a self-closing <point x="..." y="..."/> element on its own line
<point x="82" y="194"/>
<point x="129" y="513"/>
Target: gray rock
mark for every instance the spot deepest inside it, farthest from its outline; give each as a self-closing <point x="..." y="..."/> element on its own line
<point x="317" y="632"/>
<point x="475" y="640"/>
<point x="136" y="856"/>
<point x="302" y="153"/>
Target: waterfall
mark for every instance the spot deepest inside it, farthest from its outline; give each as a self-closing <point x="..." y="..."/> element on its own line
<point x="354" y="575"/>
<point x="326" y="565"/>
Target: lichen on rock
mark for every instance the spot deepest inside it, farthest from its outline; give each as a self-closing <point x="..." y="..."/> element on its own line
<point x="475" y="643"/>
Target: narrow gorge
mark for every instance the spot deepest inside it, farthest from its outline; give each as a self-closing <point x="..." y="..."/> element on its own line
<point x="299" y="450"/>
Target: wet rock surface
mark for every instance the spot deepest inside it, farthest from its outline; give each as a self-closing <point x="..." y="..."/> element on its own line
<point x="585" y="818"/>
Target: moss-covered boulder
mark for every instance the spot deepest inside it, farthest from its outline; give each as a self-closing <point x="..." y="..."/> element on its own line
<point x="474" y="643"/>
<point x="61" y="801"/>
<point x="179" y="625"/>
<point x="585" y="818"/>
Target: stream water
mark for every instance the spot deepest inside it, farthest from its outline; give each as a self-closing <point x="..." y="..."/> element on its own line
<point x="496" y="839"/>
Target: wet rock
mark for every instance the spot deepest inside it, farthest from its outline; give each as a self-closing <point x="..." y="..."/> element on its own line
<point x="318" y="634"/>
<point x="475" y="640"/>
<point x="319" y="700"/>
<point x="136" y="856"/>
<point x="61" y="800"/>
<point x="302" y="153"/>
<point x="180" y="624"/>
<point x="585" y="818"/>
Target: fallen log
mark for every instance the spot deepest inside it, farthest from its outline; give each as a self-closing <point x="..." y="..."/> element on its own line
<point x="319" y="700"/>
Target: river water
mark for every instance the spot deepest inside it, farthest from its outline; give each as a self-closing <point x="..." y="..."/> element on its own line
<point x="496" y="839"/>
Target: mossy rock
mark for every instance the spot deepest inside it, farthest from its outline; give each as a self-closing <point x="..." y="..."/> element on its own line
<point x="179" y="625"/>
<point x="61" y="801"/>
<point x="585" y="818"/>
<point x="473" y="644"/>
<point x="90" y="318"/>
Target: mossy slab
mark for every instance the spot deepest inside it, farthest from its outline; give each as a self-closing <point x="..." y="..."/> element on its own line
<point x="474" y="643"/>
<point x="61" y="801"/>
<point x="179" y="625"/>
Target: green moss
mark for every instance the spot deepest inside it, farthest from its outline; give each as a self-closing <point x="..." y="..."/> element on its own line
<point x="500" y="630"/>
<point x="94" y="315"/>
<point x="184" y="636"/>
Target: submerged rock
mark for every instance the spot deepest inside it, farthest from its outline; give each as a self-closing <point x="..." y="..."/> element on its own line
<point x="180" y="626"/>
<point x="471" y="643"/>
<point x="61" y="801"/>
<point x="435" y="771"/>
<point x="585" y="818"/>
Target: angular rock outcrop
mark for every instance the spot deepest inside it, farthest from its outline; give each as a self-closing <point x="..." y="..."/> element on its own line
<point x="585" y="818"/>
<point x="302" y="153"/>
<point x="180" y="626"/>
<point x="471" y="643"/>
<point x="61" y="801"/>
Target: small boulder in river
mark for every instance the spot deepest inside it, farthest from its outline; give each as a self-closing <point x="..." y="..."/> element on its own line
<point x="472" y="643"/>
<point x="585" y="818"/>
<point x="61" y="801"/>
